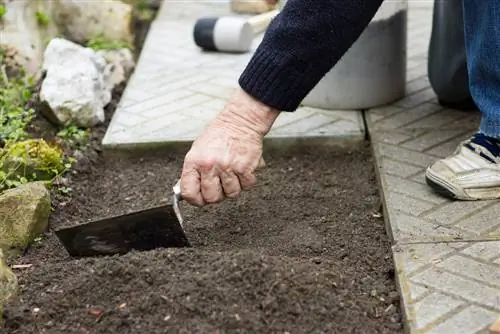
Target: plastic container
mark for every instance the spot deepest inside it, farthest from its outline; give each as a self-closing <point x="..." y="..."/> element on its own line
<point x="373" y="71"/>
<point x="447" y="64"/>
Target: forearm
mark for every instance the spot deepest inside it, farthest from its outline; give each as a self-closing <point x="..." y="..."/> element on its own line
<point x="301" y="45"/>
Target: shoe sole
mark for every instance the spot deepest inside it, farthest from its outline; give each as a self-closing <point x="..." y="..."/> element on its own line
<point x="447" y="190"/>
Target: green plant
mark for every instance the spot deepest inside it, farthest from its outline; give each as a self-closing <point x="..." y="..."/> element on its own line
<point x="31" y="160"/>
<point x="15" y="93"/>
<point x="42" y="19"/>
<point x="3" y="11"/>
<point x="102" y="43"/>
<point x="73" y="133"/>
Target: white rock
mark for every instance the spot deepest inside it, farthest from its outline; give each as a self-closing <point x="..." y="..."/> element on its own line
<point x="120" y="65"/>
<point x="81" y="21"/>
<point x="76" y="87"/>
<point x="22" y="36"/>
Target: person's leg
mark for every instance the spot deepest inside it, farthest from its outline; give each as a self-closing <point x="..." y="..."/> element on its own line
<point x="473" y="171"/>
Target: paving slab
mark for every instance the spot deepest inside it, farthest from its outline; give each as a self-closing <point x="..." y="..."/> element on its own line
<point x="449" y="287"/>
<point x="176" y="89"/>
<point x="446" y="252"/>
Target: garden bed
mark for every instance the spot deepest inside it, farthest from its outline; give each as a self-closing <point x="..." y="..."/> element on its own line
<point x="304" y="251"/>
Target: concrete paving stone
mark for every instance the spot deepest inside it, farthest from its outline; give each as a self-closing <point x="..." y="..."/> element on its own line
<point x="395" y="168"/>
<point x="432" y="139"/>
<point x="447" y="148"/>
<point x="438" y="288"/>
<point x="446" y="119"/>
<point x="419" y="178"/>
<point x="306" y="126"/>
<point x="453" y="212"/>
<point x="203" y="112"/>
<point x="413" y="74"/>
<point x="433" y="307"/>
<point x="409" y="229"/>
<point x="487" y="273"/>
<point x="188" y="127"/>
<point x="484" y="251"/>
<point x="417" y="292"/>
<point x="414" y="257"/>
<point x="395" y="137"/>
<point x="457" y="285"/>
<point x="413" y="189"/>
<point x="175" y="107"/>
<point x="409" y="205"/>
<point x="484" y="222"/>
<point x="417" y="84"/>
<point x="145" y="106"/>
<point x="469" y="321"/>
<point x="400" y="154"/>
<point x="407" y="116"/>
<point x="129" y="120"/>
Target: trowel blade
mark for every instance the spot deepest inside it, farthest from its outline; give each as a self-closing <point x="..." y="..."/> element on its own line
<point x="148" y="229"/>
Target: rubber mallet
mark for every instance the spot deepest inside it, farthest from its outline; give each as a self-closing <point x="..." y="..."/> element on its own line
<point x="230" y="33"/>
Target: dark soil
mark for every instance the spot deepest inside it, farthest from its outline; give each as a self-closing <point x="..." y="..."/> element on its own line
<point x="305" y="251"/>
<point x="302" y="252"/>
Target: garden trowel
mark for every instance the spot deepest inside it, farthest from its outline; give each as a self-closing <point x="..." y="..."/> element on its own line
<point x="157" y="227"/>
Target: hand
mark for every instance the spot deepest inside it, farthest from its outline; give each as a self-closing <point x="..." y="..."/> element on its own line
<point x="222" y="160"/>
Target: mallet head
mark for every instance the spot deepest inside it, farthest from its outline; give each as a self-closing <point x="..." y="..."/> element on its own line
<point x="226" y="34"/>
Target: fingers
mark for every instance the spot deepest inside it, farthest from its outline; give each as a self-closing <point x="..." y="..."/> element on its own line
<point x="247" y="180"/>
<point x="204" y="182"/>
<point x="230" y="184"/>
<point x="191" y="187"/>
<point x="211" y="188"/>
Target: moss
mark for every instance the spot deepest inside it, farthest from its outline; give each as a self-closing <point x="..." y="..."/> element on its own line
<point x="30" y="160"/>
<point x="102" y="43"/>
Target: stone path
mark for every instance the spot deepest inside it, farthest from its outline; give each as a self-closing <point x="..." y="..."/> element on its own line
<point x="447" y="253"/>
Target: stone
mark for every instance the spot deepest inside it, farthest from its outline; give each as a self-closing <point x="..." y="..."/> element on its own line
<point x="25" y="212"/>
<point x="120" y="64"/>
<point x="23" y="36"/>
<point x="77" y="86"/>
<point x="81" y="21"/>
<point x="251" y="6"/>
<point x="9" y="285"/>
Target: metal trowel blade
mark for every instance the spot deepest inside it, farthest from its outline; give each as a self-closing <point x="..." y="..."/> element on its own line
<point x="158" y="227"/>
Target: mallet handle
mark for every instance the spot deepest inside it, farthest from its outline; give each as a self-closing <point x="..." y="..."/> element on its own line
<point x="260" y="22"/>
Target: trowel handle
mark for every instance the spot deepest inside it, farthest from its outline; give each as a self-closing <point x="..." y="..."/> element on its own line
<point x="177" y="190"/>
<point x="260" y="22"/>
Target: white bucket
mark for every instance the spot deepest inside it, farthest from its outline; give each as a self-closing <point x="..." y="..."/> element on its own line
<point x="373" y="71"/>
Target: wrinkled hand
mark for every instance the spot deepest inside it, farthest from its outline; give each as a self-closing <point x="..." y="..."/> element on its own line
<point x="222" y="160"/>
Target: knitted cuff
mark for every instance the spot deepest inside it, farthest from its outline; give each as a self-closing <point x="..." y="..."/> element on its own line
<point x="279" y="82"/>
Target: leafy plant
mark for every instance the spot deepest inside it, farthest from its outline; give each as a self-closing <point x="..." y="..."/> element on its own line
<point x="42" y="19"/>
<point x="102" y="43"/>
<point x="3" y="11"/>
<point x="31" y="160"/>
<point x="15" y="93"/>
<point x="73" y="133"/>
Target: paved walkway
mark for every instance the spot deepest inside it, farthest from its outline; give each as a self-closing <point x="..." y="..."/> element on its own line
<point x="447" y="253"/>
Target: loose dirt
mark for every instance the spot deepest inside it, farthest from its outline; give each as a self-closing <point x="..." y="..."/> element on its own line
<point x="302" y="252"/>
<point x="305" y="251"/>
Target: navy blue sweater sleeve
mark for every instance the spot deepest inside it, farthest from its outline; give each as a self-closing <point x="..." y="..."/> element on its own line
<point x="305" y="40"/>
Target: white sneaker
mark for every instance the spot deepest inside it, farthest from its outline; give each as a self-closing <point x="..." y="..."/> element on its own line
<point x="471" y="173"/>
